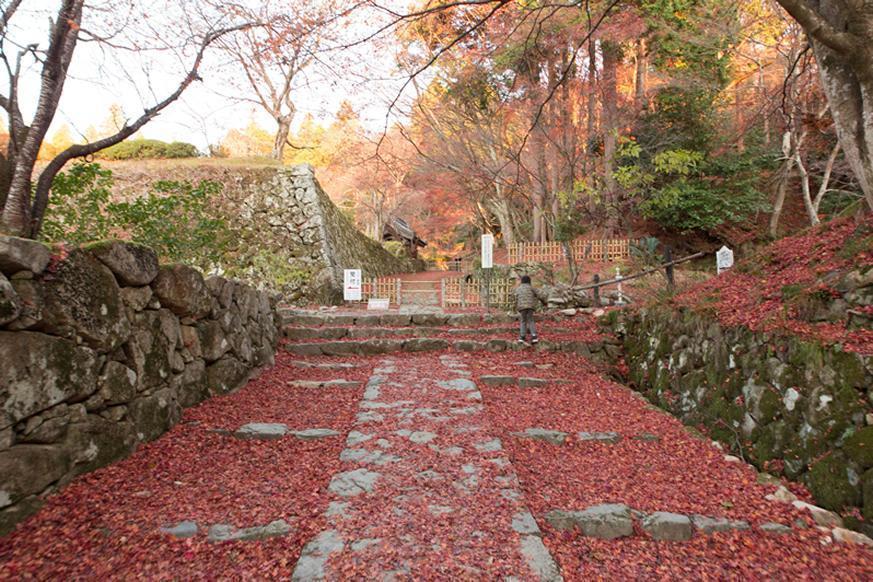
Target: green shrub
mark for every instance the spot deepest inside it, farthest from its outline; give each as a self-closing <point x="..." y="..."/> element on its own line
<point x="141" y="149"/>
<point x="76" y="210"/>
<point x="177" y="219"/>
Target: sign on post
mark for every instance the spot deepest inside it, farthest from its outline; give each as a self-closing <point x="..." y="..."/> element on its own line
<point x="724" y="259"/>
<point x="352" y="284"/>
<point x="374" y="304"/>
<point x="487" y="251"/>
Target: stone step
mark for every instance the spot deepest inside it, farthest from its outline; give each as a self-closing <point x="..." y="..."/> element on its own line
<point x="363" y="332"/>
<point x="394" y="319"/>
<point x="422" y="317"/>
<point x="594" y="350"/>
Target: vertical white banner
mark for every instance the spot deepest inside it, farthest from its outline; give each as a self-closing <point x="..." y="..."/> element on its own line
<point x="352" y="284"/>
<point x="487" y="251"/>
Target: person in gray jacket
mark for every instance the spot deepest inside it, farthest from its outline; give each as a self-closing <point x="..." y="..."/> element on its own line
<point x="526" y="299"/>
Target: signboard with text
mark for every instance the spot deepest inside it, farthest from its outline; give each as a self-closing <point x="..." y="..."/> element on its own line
<point x="352" y="284"/>
<point x="487" y="251"/>
<point x="374" y="304"/>
<point x="724" y="259"/>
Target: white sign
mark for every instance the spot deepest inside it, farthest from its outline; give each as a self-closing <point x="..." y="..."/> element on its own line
<point x="724" y="259"/>
<point x="352" y="284"/>
<point x="378" y="304"/>
<point x="487" y="251"/>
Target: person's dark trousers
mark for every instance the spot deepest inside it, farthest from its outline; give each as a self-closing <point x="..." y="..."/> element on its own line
<point x="526" y="318"/>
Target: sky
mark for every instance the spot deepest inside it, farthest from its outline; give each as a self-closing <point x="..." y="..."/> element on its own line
<point x="101" y="76"/>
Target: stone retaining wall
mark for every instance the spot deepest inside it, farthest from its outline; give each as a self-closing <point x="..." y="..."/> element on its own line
<point x="789" y="406"/>
<point x="308" y="239"/>
<point x="100" y="349"/>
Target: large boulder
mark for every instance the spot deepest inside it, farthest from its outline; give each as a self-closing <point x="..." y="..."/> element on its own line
<point x="10" y="303"/>
<point x="181" y="288"/>
<point x="150" y="351"/>
<point x="21" y="254"/>
<point x="28" y="469"/>
<point x="153" y="415"/>
<point x="117" y="383"/>
<point x="213" y="343"/>
<point x="190" y="386"/>
<point x="133" y="264"/>
<point x="82" y="298"/>
<point x="30" y="294"/>
<point x="96" y="442"/>
<point x="40" y="371"/>
<point x="226" y="375"/>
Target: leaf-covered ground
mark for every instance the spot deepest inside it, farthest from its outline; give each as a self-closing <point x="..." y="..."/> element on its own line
<point x="678" y="473"/>
<point x="770" y="291"/>
<point x="440" y="510"/>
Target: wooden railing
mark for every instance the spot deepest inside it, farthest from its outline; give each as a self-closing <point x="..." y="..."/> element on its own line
<point x="583" y="249"/>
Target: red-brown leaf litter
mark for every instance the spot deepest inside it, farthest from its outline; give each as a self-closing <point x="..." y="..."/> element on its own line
<point x="107" y="524"/>
<point x="755" y="295"/>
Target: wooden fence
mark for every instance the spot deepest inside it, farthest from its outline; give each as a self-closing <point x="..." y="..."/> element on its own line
<point x="381" y="288"/>
<point x="583" y="249"/>
<point x="463" y="292"/>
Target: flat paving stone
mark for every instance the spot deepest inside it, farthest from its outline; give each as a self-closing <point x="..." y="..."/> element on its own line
<point x="774" y="528"/>
<point x="422" y="436"/>
<point x="311" y="434"/>
<point x="606" y="521"/>
<point x="554" y="437"/>
<point x="352" y="483"/>
<point x="182" y="530"/>
<point x="540" y="561"/>
<point x="533" y="382"/>
<point x="710" y="525"/>
<point x="489" y="446"/>
<point x="498" y="380"/>
<point x="461" y="384"/>
<point x="261" y="431"/>
<point x="229" y="533"/>
<point x="310" y="384"/>
<point x="315" y="555"/>
<point x="603" y="437"/>
<point x="663" y="525"/>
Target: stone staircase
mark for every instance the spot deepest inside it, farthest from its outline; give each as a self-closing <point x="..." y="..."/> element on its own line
<point x="314" y="333"/>
<point x="421" y="293"/>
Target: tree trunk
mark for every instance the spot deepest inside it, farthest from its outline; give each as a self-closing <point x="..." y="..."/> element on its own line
<point x="611" y="56"/>
<point x="592" y="98"/>
<point x="839" y="33"/>
<point x="642" y="65"/>
<point x="284" y="128"/>
<point x="804" y="187"/>
<point x="851" y="103"/>
<point x="781" y="190"/>
<point x="501" y="210"/>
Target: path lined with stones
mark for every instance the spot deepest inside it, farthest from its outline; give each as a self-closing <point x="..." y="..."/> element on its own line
<point x="425" y="488"/>
<point x="436" y="465"/>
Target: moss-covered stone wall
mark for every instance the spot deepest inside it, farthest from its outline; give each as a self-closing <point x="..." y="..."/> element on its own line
<point x="101" y="348"/>
<point x="790" y="406"/>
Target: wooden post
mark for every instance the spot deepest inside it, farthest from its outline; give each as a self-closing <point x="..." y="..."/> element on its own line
<point x="596" y="290"/>
<point x="668" y="258"/>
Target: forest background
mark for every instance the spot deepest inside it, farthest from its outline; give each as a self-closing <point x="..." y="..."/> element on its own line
<point x="700" y="121"/>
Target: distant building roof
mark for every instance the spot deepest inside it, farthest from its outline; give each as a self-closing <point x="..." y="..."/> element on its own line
<point x="397" y="228"/>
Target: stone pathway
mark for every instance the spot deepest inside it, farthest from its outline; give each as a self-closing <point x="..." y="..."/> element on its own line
<point x="436" y="465"/>
<point x="426" y="489"/>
